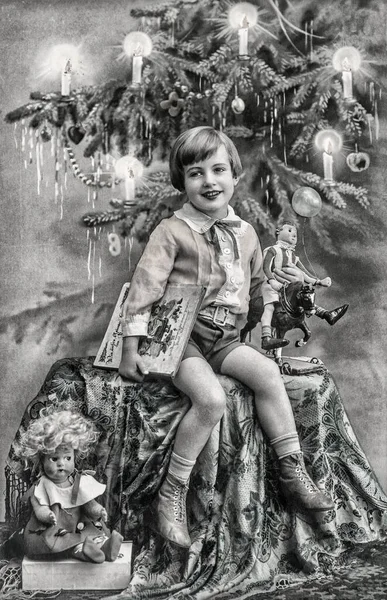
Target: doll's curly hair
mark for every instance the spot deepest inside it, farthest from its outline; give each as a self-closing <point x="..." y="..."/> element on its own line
<point x="54" y="428"/>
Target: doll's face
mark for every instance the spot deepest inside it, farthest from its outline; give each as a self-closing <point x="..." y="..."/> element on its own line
<point x="288" y="234"/>
<point x="59" y="465"/>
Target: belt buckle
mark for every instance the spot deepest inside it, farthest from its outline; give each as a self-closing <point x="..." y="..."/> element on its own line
<point x="216" y="320"/>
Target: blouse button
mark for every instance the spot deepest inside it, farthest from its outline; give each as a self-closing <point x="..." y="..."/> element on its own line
<point x="227" y="294"/>
<point x="226" y="251"/>
<point x="223" y="238"/>
<point x="232" y="279"/>
<point x="229" y="265"/>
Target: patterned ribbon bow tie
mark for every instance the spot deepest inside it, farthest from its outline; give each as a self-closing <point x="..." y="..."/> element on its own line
<point x="225" y="226"/>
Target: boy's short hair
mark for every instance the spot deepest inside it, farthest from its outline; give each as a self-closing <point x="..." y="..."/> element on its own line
<point x="195" y="145"/>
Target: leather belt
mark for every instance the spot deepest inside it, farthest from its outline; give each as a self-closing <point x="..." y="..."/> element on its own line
<point x="219" y="315"/>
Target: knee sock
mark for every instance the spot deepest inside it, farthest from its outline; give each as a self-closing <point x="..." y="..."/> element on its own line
<point x="181" y="467"/>
<point x="285" y="445"/>
<point x="266" y="331"/>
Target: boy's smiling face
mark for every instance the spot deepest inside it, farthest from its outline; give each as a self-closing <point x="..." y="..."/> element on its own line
<point x="209" y="184"/>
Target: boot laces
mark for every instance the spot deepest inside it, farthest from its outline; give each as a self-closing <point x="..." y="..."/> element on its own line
<point x="179" y="502"/>
<point x="305" y="479"/>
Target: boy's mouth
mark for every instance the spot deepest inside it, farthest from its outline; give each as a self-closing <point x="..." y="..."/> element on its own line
<point x="211" y="195"/>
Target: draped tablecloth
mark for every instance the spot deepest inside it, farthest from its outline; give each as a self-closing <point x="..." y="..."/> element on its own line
<point x="245" y="539"/>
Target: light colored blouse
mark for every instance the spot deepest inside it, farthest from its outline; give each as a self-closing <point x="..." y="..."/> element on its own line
<point x="180" y="250"/>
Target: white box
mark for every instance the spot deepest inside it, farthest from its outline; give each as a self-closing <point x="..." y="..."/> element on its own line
<point x="72" y="574"/>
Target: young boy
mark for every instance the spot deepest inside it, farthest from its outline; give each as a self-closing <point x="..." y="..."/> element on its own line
<point x="205" y="243"/>
<point x="275" y="257"/>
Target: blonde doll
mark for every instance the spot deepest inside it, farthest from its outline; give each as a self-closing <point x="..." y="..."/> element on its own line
<point x="66" y="519"/>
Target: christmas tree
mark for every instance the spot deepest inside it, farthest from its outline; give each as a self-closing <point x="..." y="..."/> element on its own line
<point x="291" y="83"/>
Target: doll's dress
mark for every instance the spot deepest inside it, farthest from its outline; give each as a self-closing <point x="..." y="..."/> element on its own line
<point x="73" y="525"/>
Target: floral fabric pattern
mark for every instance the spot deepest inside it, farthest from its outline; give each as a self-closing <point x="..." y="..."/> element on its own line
<point x="245" y="538"/>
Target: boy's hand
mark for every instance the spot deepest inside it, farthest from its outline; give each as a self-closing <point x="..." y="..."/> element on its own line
<point x="131" y="365"/>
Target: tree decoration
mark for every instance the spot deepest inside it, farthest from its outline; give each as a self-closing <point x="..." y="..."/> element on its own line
<point x="136" y="45"/>
<point x="129" y="170"/>
<point x="87" y="179"/>
<point x="242" y="16"/>
<point x="358" y="161"/>
<point x="173" y="105"/>
<point x="289" y="87"/>
<point x="238" y="105"/>
<point x="76" y="134"/>
<point x="46" y="133"/>
<point x="347" y="60"/>
<point x="306" y="202"/>
<point x="330" y="142"/>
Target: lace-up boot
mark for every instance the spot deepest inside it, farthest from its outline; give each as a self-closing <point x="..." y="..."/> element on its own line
<point x="298" y="487"/>
<point x="170" y="506"/>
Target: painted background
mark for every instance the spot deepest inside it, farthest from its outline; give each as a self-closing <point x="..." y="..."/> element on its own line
<point x="48" y="283"/>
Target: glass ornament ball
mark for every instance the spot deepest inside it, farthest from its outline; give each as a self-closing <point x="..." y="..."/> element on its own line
<point x="237" y="105"/>
<point x="306" y="202"/>
<point x="45" y="134"/>
<point x="358" y="161"/>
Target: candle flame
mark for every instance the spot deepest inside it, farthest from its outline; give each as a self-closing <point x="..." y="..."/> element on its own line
<point x="346" y="66"/>
<point x="139" y="51"/>
<point x="329" y="147"/>
<point x="245" y="22"/>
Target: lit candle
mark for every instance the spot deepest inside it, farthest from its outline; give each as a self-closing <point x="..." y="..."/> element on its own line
<point x="243" y="33"/>
<point x="66" y="79"/>
<point x="130" y="188"/>
<point x="347" y="79"/>
<point x="137" y="65"/>
<point x="328" y="162"/>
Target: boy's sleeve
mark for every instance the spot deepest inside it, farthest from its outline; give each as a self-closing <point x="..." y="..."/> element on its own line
<point x="257" y="273"/>
<point x="149" y="281"/>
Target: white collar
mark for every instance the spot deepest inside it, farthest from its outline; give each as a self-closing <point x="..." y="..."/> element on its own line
<point x="199" y="221"/>
<point x="285" y="245"/>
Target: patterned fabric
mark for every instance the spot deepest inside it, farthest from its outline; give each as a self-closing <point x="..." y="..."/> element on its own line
<point x="245" y="539"/>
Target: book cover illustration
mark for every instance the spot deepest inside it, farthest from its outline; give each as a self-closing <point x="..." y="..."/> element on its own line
<point x="170" y="325"/>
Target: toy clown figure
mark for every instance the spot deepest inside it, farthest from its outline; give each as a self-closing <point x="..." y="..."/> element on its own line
<point x="282" y="254"/>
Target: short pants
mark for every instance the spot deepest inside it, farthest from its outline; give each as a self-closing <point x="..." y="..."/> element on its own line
<point x="268" y="294"/>
<point x="212" y="342"/>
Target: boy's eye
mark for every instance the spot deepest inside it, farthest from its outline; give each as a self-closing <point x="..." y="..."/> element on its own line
<point x="68" y="458"/>
<point x="53" y="459"/>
